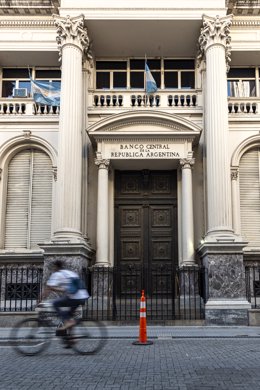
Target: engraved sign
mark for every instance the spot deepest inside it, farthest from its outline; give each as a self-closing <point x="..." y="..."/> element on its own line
<point x="144" y="150"/>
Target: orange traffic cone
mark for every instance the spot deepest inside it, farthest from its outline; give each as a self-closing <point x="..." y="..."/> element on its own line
<point x="142" y="327"/>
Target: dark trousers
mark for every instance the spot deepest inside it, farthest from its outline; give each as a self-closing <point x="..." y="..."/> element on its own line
<point x="70" y="304"/>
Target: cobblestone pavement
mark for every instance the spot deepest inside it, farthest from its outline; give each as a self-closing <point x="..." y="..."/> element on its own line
<point x="169" y="364"/>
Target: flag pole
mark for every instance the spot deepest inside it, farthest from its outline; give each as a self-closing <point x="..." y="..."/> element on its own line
<point x="30" y="77"/>
<point x="145" y="92"/>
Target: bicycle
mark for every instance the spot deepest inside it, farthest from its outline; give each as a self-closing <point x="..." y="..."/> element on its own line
<point x="34" y="335"/>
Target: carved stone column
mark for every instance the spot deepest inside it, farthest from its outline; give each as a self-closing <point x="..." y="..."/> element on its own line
<point x="102" y="255"/>
<point x="187" y="212"/>
<point x="68" y="243"/>
<point x="222" y="250"/>
<point x="215" y="45"/>
<point x="72" y="41"/>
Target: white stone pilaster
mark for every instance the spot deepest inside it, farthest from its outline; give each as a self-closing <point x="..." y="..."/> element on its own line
<point x="102" y="250"/>
<point x="73" y="42"/>
<point x="187" y="213"/>
<point x="214" y="46"/>
<point x="235" y="201"/>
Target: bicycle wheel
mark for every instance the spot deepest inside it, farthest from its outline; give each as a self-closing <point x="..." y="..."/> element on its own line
<point x="86" y="338"/>
<point x="30" y="337"/>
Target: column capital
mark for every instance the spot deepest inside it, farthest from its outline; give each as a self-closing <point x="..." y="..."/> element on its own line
<point x="215" y="31"/>
<point x="72" y="31"/>
<point x="187" y="163"/>
<point x="102" y="163"/>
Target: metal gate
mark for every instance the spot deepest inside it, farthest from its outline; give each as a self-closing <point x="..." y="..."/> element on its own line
<point x="175" y="293"/>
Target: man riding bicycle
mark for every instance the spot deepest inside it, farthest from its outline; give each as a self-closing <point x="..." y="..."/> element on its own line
<point x="59" y="282"/>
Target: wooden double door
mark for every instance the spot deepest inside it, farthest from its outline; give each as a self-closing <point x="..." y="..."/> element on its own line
<point x="145" y="226"/>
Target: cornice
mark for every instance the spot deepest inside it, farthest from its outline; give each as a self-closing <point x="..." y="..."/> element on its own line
<point x="130" y="123"/>
<point x="143" y="138"/>
<point x="31" y="23"/>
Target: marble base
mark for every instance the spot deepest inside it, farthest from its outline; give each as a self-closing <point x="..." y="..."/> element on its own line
<point x="74" y="256"/>
<point x="226" y="317"/>
<point x="226" y="303"/>
<point x="227" y="312"/>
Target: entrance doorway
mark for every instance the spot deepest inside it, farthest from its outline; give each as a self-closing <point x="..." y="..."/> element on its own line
<point x="145" y="227"/>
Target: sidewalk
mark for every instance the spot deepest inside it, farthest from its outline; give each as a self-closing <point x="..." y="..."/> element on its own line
<point x="171" y="332"/>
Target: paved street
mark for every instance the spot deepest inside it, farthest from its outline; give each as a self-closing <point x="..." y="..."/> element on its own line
<point x="191" y="361"/>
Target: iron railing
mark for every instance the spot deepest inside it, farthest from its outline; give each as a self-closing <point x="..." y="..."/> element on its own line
<point x="20" y="288"/>
<point x="171" y="293"/>
<point x="252" y="274"/>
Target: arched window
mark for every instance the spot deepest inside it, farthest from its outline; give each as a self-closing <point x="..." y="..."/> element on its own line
<point x="249" y="180"/>
<point x="28" y="199"/>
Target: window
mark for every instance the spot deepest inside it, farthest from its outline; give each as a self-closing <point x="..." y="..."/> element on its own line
<point x="137" y="74"/>
<point x="179" y="74"/>
<point x="167" y="73"/>
<point x="19" y="78"/>
<point x="29" y="199"/>
<point x="241" y="82"/>
<point x="15" y="78"/>
<point x="49" y="75"/>
<point x="111" y="74"/>
<point x="250" y="200"/>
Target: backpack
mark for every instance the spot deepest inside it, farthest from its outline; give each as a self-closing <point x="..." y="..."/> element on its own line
<point x="74" y="285"/>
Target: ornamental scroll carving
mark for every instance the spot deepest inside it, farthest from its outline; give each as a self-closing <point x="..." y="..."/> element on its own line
<point x="215" y="31"/>
<point x="102" y="163"/>
<point x="234" y="173"/>
<point x="72" y="30"/>
<point x="187" y="162"/>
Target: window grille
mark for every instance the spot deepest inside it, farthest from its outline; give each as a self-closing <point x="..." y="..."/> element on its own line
<point x="22" y="291"/>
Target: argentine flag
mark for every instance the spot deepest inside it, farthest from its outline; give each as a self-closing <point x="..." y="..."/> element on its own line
<point x="150" y="84"/>
<point x="45" y="93"/>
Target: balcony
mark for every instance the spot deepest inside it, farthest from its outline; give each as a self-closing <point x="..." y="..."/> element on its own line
<point x="170" y="99"/>
<point x="110" y="102"/>
<point x="243" y="105"/>
<point x="21" y="107"/>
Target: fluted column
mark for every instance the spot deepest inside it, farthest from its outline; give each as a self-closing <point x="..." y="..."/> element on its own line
<point x="102" y="254"/>
<point x="215" y="46"/>
<point x="187" y="213"/>
<point x="73" y="42"/>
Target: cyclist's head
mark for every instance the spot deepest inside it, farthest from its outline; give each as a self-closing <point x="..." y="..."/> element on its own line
<point x="57" y="265"/>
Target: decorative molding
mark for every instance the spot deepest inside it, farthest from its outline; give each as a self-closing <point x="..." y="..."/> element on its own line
<point x="144" y="122"/>
<point x="187" y="163"/>
<point x="1" y="171"/>
<point x="72" y="31"/>
<point x="245" y="23"/>
<point x="243" y="147"/>
<point x="234" y="173"/>
<point x="142" y="138"/>
<point x="27" y="133"/>
<point x="54" y="172"/>
<point x="27" y="23"/>
<point x="215" y="31"/>
<point x="152" y="118"/>
<point x="102" y="163"/>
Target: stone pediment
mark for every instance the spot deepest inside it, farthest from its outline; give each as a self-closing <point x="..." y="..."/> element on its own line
<point x="143" y="123"/>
